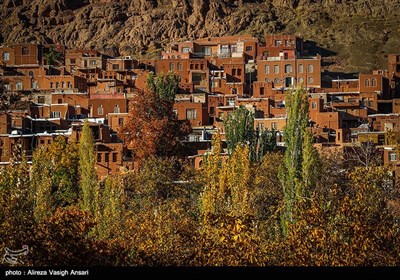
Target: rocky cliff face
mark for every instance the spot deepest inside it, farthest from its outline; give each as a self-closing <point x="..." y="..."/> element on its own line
<point x="357" y="33"/>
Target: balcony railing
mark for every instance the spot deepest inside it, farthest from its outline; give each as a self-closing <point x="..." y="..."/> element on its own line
<point x="202" y="83"/>
<point x="224" y="55"/>
<point x="198" y="54"/>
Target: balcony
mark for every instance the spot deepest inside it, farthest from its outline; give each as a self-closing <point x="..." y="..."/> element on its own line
<point x="224" y="54"/>
<point x="197" y="54"/>
<point x="344" y="104"/>
<point x="273" y="58"/>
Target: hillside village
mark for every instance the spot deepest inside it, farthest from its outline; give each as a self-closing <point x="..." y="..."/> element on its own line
<point x="59" y="88"/>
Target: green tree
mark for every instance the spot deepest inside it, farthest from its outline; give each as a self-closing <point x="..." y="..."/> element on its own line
<point x="239" y="129"/>
<point x="52" y="56"/>
<point x="299" y="170"/>
<point x="88" y="178"/>
<point x="54" y="176"/>
<point x="112" y="208"/>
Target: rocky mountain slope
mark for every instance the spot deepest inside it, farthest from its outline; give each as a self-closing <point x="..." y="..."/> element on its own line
<point x="354" y="33"/>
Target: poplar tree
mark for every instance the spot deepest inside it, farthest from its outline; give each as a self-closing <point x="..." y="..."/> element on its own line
<point x="299" y="170"/>
<point x="54" y="177"/>
<point x="88" y="181"/>
<point x="239" y="129"/>
<point x="112" y="207"/>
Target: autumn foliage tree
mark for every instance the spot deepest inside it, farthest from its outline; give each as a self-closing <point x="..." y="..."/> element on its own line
<point x="228" y="228"/>
<point x="89" y="187"/>
<point x="346" y="226"/>
<point x="161" y="213"/>
<point x="152" y="128"/>
<point x="16" y="203"/>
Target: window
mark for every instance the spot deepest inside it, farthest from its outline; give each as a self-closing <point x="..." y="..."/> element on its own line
<point x="51" y="84"/>
<point x="25" y="51"/>
<point x="191" y="114"/>
<point x="180" y="66"/>
<point x="41" y="99"/>
<point x="288" y="68"/>
<point x="249" y="48"/>
<point x="30" y="73"/>
<point x="72" y="61"/>
<point x="114" y="157"/>
<point x="224" y="49"/>
<point x="59" y="101"/>
<point x="261" y="90"/>
<point x="233" y="48"/>
<point x="392" y="156"/>
<point x="115" y="66"/>
<point x="301" y="80"/>
<point x="230" y="101"/>
<point x="57" y="84"/>
<point x="6" y="56"/>
<point x="266" y="69"/>
<point x="314" y="105"/>
<point x="310" y="80"/>
<point x="277" y="43"/>
<point x="62" y="84"/>
<point x="171" y="66"/>
<point x="366" y="82"/>
<point x="233" y="72"/>
<point x="363" y="102"/>
<point x="276" y="69"/>
<point x="301" y="68"/>
<point x="206" y="50"/>
<point x="373" y="82"/>
<point x="55" y="114"/>
<point x="69" y="85"/>
<point x="120" y="121"/>
<point x="310" y="68"/>
<point x="92" y="62"/>
<point x="35" y="85"/>
<point x="212" y="110"/>
<point x="106" y="157"/>
<point x="175" y="114"/>
<point x="267" y="80"/>
<point x="116" y="109"/>
<point x="276" y="81"/>
<point x="18" y="85"/>
<point x="100" y="110"/>
<point x="7" y="86"/>
<point x="185" y="49"/>
<point x="239" y="72"/>
<point x="286" y="42"/>
<point x="215" y="83"/>
<point x="370" y="103"/>
<point x="98" y="157"/>
<point x="274" y="125"/>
